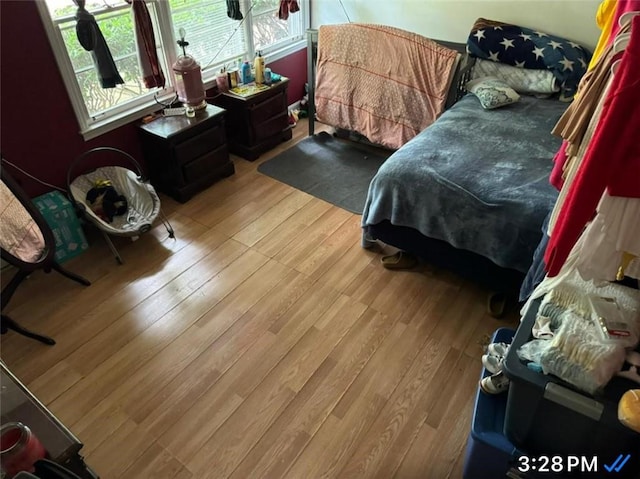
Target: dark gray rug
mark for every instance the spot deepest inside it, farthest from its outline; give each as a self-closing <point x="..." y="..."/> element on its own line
<point x="335" y="170"/>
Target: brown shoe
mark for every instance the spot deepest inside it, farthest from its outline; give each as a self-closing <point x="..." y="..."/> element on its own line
<point x="400" y="260"/>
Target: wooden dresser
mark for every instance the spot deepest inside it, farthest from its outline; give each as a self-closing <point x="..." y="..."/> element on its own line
<point x="185" y="155"/>
<point x="257" y="123"/>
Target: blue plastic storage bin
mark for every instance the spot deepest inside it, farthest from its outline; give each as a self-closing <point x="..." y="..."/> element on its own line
<point x="489" y="453"/>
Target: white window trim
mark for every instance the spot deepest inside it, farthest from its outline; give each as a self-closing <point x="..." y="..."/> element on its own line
<point x="97" y="128"/>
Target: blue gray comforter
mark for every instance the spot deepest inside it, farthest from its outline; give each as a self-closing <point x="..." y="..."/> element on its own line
<point x="477" y="179"/>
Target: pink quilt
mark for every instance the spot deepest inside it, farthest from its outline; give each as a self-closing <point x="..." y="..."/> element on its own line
<point x="382" y="82"/>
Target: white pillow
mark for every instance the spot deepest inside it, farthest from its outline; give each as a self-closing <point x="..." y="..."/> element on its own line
<point x="522" y="80"/>
<point x="492" y="92"/>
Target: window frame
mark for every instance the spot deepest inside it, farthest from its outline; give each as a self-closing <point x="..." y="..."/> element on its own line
<point x="145" y="104"/>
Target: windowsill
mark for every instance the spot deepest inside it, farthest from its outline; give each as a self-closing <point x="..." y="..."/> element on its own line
<point x="286" y="51"/>
<point x="100" y="128"/>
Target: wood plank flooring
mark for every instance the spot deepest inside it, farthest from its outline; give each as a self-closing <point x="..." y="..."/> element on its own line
<point x="262" y="343"/>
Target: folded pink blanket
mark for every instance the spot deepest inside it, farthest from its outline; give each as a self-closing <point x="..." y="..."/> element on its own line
<point x="382" y="82"/>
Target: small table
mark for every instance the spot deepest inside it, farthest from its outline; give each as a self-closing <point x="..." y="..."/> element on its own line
<point x="258" y="122"/>
<point x="185" y="155"/>
<point x="19" y="405"/>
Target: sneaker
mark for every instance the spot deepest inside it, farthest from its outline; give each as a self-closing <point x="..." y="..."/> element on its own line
<point x="498" y="349"/>
<point x="491" y="363"/>
<point x="495" y="384"/>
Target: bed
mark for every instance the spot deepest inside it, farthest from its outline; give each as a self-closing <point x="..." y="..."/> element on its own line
<point x="475" y="181"/>
<point x="470" y="191"/>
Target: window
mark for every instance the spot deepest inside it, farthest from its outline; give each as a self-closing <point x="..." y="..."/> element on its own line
<point x="214" y="39"/>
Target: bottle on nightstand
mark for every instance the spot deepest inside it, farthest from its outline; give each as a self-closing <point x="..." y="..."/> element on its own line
<point x="258" y="65"/>
<point x="246" y="73"/>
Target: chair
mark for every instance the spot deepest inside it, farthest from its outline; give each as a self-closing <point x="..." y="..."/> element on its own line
<point x="27" y="243"/>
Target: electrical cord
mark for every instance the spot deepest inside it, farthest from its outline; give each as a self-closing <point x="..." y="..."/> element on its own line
<point x="253" y="4"/>
<point x="33" y="177"/>
<point x="165" y="105"/>
<point x="163" y="218"/>
<point x="345" y="11"/>
<point x="167" y="224"/>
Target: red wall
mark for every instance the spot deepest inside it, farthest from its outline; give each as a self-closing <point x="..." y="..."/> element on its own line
<point x="293" y="67"/>
<point x="38" y="128"/>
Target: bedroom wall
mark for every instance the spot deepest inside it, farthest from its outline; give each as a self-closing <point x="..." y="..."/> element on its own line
<point x="39" y="128"/>
<point x="452" y="19"/>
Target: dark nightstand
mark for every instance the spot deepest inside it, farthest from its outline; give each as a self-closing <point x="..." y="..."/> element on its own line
<point x="185" y="155"/>
<point x="257" y="123"/>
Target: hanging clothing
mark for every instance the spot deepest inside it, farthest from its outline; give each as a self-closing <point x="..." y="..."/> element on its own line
<point x="559" y="160"/>
<point x="286" y="7"/>
<point x="152" y="74"/>
<point x="612" y="160"/>
<point x="624" y="6"/>
<point x="613" y="235"/>
<point x="536" y="272"/>
<point x="572" y="124"/>
<point x="233" y="10"/>
<point x="576" y="161"/>
<point x="605" y="17"/>
<point x="91" y="39"/>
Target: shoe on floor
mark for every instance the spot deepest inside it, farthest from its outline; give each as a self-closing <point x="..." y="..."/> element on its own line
<point x="496" y="304"/>
<point x="495" y="384"/>
<point x="498" y="349"/>
<point x="399" y="260"/>
<point x="491" y="363"/>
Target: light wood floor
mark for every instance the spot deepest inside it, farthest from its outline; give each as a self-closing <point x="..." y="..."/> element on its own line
<point x="262" y="342"/>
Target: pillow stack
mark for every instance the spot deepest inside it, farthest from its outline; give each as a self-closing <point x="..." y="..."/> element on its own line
<point x="528" y="49"/>
<point x="527" y="81"/>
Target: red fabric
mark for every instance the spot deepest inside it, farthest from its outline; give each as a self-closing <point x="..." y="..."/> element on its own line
<point x="152" y="74"/>
<point x="560" y="158"/>
<point x="623" y="7"/>
<point x="612" y="159"/>
<point x="287" y="6"/>
<point x="559" y="161"/>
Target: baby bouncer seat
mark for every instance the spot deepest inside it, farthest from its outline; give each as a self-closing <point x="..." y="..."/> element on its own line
<point x="119" y="201"/>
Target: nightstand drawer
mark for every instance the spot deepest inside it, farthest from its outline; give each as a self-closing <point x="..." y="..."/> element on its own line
<point x="205" y="165"/>
<point x="199" y="144"/>
<point x="185" y="155"/>
<point x="268" y="108"/>
<point x="257" y="123"/>
<point x="271" y="126"/>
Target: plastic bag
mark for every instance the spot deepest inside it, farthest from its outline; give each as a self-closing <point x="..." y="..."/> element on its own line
<point x="533" y="350"/>
<point x="578" y="355"/>
<point x="612" y="323"/>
